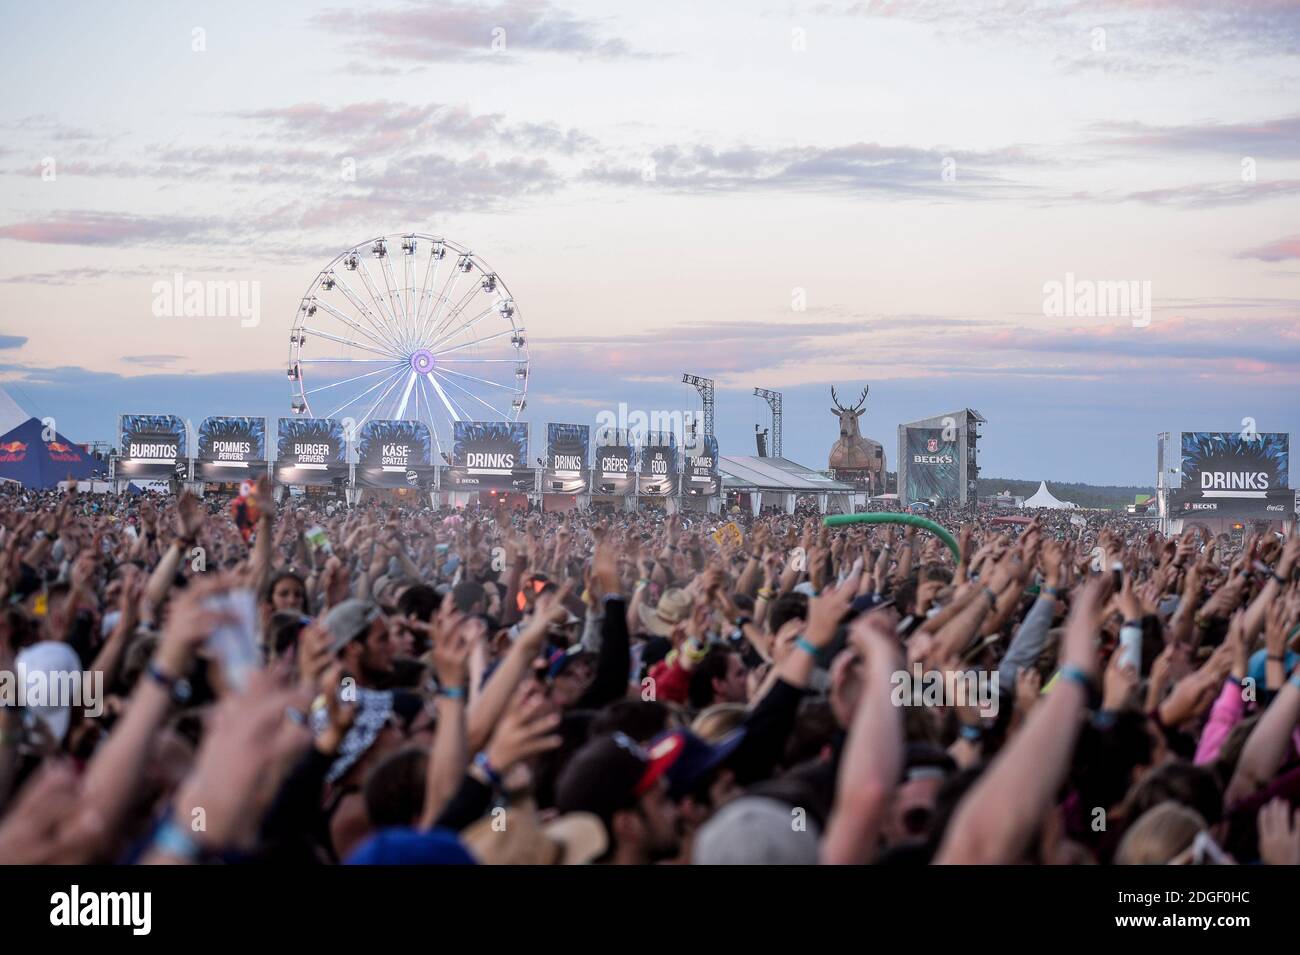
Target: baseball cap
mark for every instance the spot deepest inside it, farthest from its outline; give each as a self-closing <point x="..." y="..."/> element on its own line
<point x="688" y="758"/>
<point x="609" y="773"/>
<point x="755" y="830"/>
<point x="401" y="846"/>
<point x="349" y="620"/>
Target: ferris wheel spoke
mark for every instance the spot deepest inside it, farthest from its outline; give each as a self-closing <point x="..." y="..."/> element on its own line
<point x="369" y="282"/>
<point x="382" y="398"/>
<point x="350" y="294"/>
<point x="471" y="394"/>
<point x="345" y="361"/>
<point x="477" y="341"/>
<point x="426" y="287"/>
<point x="452" y="281"/>
<point x="343" y="341"/>
<point x="451" y="317"/>
<point x="394" y="299"/>
<point x="346" y="381"/>
<point x="392" y="376"/>
<point x="447" y="403"/>
<point x="510" y="388"/>
<point x="406" y="395"/>
<point x="347" y="321"/>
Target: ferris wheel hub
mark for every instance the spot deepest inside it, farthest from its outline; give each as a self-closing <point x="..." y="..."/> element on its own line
<point x="422" y="361"/>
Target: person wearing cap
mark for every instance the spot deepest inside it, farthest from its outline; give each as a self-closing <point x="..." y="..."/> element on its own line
<point x="359" y="638"/>
<point x="617" y="780"/>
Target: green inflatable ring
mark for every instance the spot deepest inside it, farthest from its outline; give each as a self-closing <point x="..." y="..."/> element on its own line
<point x="892" y="517"/>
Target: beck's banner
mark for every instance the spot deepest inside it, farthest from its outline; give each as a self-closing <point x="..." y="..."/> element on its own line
<point x="566" y="459"/>
<point x="657" y="470"/>
<point x="702" y="475"/>
<point x="933" y="468"/>
<point x="394" y="454"/>
<point x="614" y="470"/>
<point x="311" y="451"/>
<point x="153" y="447"/>
<point x="1234" y="474"/>
<point x="489" y="456"/>
<point x="231" y="449"/>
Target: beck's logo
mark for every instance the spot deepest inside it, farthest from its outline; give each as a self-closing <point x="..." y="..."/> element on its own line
<point x="932" y="445"/>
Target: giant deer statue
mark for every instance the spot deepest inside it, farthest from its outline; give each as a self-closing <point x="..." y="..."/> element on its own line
<point x="853" y="458"/>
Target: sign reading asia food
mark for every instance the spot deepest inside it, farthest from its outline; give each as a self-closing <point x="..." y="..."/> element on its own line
<point x="394" y="454"/>
<point x="932" y="465"/>
<point x="489" y="455"/>
<point x="657" y="471"/>
<point x="614" y="472"/>
<point x="566" y="458"/>
<point x="1235" y="475"/>
<point x="152" y="446"/>
<point x="231" y="449"/>
<point x="311" y="451"/>
<point x="702" y="468"/>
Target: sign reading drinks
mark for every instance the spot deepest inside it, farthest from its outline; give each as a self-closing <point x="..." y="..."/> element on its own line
<point x="231" y="449"/>
<point x="614" y="470"/>
<point x="153" y="445"/>
<point x="657" y="465"/>
<point x="933" y="468"/>
<point x="394" y="454"/>
<point x="702" y="468"/>
<point x="1234" y="474"/>
<point x="567" y="446"/>
<point x="489" y="455"/>
<point x="310" y="451"/>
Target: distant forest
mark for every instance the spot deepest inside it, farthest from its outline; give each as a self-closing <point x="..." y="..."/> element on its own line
<point x="1085" y="495"/>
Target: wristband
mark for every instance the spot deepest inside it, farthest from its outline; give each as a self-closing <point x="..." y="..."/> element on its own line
<point x="803" y="644"/>
<point x="1053" y="592"/>
<point x="1279" y="578"/>
<point x="175" y="841"/>
<point x="973" y="734"/>
<point x="1076" y="675"/>
<point x="487" y="769"/>
<point x="456" y="693"/>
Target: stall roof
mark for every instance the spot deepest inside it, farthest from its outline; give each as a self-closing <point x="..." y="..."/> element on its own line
<point x="751" y="473"/>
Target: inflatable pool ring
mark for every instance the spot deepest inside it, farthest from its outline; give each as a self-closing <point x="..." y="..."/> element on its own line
<point x="892" y="517"/>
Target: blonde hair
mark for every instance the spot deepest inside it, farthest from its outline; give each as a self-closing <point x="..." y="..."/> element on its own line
<point x="1159" y="835"/>
<point x="716" y="721"/>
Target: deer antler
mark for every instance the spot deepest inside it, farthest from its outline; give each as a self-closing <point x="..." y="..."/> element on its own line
<point x="835" y="399"/>
<point x="863" y="400"/>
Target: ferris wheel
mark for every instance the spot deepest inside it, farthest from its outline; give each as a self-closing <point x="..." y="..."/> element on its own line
<point x="408" y="327"/>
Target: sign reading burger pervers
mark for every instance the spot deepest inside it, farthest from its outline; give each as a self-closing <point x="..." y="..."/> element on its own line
<point x="231" y="449"/>
<point x="152" y="445"/>
<point x="310" y="451"/>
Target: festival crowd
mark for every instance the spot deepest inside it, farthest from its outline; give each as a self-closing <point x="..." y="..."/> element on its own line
<point x="187" y="681"/>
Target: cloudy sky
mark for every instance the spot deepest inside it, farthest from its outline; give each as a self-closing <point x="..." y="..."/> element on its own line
<point x="783" y="195"/>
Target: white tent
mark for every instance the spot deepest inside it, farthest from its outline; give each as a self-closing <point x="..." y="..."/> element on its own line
<point x="1044" y="498"/>
<point x="11" y="413"/>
